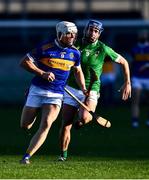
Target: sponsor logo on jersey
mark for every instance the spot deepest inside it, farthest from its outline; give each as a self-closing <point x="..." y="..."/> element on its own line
<point x="58" y="63"/>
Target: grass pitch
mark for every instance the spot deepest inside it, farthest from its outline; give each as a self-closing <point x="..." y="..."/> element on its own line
<point x="94" y="153"/>
<point x="46" y="167"/>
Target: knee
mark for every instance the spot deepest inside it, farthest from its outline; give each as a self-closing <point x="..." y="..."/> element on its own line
<point x="25" y="126"/>
<point x="67" y="128"/>
<point x="46" y="125"/>
<point x="86" y="118"/>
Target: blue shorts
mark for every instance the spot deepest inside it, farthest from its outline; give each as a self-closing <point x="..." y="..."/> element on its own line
<point x="140" y="83"/>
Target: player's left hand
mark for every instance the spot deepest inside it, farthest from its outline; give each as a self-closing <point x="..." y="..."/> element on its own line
<point x="85" y="92"/>
<point x="126" y="91"/>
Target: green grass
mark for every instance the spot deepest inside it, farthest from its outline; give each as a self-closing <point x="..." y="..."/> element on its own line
<point x="78" y="167"/>
<point x="119" y="152"/>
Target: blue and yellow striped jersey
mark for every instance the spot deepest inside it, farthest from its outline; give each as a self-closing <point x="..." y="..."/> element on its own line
<point x="140" y="54"/>
<point x="51" y="57"/>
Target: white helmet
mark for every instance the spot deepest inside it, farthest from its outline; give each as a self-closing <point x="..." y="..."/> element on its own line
<point x="66" y="27"/>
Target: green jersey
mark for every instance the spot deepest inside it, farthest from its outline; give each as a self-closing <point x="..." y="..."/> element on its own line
<point x="92" y="56"/>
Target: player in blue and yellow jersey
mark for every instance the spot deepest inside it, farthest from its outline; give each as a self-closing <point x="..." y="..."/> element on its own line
<point x="93" y="54"/>
<point x="140" y="75"/>
<point x="51" y="63"/>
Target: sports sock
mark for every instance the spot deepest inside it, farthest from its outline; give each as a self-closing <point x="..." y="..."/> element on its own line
<point x="64" y="154"/>
<point x="26" y="156"/>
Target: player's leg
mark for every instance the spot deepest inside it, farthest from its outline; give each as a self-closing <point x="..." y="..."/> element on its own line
<point x="69" y="110"/>
<point x="28" y="117"/>
<point x="135" y="110"/>
<point x="137" y="86"/>
<point x="49" y="115"/>
<point x="30" y="110"/>
<point x="84" y="116"/>
<point x="147" y="120"/>
<point x="146" y="93"/>
<point x="68" y="115"/>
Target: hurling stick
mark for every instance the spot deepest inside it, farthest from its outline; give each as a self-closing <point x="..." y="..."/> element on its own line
<point x="102" y="121"/>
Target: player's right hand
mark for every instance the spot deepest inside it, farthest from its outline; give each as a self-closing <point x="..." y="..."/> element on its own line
<point x="126" y="91"/>
<point x="49" y="76"/>
<point x="85" y="92"/>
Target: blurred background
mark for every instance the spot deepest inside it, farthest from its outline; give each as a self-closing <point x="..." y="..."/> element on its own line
<point x="25" y="23"/>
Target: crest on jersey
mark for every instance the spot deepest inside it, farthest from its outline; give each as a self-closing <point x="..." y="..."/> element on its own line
<point x="87" y="53"/>
<point x="71" y="55"/>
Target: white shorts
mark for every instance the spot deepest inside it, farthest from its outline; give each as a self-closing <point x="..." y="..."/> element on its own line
<point x="37" y="97"/>
<point x="93" y="96"/>
<point x="140" y="83"/>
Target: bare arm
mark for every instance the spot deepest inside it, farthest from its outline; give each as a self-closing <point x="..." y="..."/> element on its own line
<point x="29" y="65"/>
<point x="126" y="87"/>
<point x="80" y="78"/>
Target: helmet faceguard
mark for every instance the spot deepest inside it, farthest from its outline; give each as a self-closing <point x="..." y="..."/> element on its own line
<point x="93" y="23"/>
<point x="64" y="27"/>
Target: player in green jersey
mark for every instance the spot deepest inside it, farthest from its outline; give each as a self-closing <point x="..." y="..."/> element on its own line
<point x="93" y="54"/>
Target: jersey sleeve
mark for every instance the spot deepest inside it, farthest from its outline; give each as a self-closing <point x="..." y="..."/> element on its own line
<point x="35" y="54"/>
<point x="111" y="53"/>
